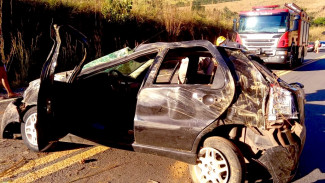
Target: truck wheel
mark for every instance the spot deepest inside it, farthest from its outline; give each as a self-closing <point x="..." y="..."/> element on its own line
<point x="293" y="58"/>
<point x="301" y="60"/>
<point x="28" y="130"/>
<point x="292" y="61"/>
<point x="218" y="161"/>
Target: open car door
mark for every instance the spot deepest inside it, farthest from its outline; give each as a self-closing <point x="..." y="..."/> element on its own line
<point x="48" y="126"/>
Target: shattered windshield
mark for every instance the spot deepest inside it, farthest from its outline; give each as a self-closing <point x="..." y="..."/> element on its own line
<point x="132" y="67"/>
<point x="108" y="58"/>
<point x="263" y="24"/>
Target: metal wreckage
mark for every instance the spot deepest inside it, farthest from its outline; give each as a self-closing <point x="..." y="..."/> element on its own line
<point x="242" y="113"/>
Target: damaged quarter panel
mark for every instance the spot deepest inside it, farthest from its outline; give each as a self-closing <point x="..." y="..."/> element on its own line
<point x="172" y="116"/>
<point x="249" y="107"/>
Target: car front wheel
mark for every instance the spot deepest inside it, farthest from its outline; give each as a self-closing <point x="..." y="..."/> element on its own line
<point x="28" y="130"/>
<point x="218" y="161"/>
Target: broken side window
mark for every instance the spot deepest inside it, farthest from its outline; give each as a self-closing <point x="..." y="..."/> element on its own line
<point x="187" y="66"/>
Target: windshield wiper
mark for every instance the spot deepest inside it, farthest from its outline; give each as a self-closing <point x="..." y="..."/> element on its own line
<point x="247" y="32"/>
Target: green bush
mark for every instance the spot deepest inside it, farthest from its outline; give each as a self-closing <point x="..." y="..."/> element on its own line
<point x="319" y="21"/>
<point x="118" y="11"/>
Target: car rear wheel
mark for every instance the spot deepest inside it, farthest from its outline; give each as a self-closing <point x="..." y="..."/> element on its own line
<point x="28" y="130"/>
<point x="218" y="161"/>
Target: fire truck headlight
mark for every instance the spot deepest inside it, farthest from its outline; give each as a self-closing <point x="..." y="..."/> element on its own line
<point x="281" y="52"/>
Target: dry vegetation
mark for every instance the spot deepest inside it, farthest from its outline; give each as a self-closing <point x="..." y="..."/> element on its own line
<point x="175" y="18"/>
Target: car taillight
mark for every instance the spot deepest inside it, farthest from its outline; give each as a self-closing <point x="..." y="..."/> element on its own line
<point x="281" y="104"/>
<point x="238" y="39"/>
<point x="284" y="40"/>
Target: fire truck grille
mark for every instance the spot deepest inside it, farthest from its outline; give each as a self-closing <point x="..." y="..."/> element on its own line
<point x="263" y="45"/>
<point x="260" y="40"/>
<point x="259" y="44"/>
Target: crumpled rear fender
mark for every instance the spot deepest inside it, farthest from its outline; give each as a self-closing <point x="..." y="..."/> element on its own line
<point x="9" y="118"/>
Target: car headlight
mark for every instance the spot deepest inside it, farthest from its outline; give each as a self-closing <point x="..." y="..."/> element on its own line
<point x="281" y="52"/>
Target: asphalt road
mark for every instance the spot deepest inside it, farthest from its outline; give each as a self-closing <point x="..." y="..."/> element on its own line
<point x="86" y="163"/>
<point x="312" y="76"/>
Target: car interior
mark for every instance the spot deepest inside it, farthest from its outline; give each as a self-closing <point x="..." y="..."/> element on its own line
<point x="195" y="64"/>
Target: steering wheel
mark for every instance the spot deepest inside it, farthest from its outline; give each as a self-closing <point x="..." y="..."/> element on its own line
<point x="116" y="80"/>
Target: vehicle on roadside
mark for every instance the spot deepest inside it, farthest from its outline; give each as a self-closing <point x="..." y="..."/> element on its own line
<point x="322" y="45"/>
<point x="278" y="34"/>
<point x="311" y="46"/>
<point x="132" y="99"/>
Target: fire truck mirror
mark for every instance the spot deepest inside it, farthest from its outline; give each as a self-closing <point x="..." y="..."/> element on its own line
<point x="297" y="17"/>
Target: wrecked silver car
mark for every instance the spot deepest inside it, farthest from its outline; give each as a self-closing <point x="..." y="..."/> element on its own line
<point x="215" y="108"/>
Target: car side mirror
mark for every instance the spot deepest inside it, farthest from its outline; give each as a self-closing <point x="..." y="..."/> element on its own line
<point x="234" y="26"/>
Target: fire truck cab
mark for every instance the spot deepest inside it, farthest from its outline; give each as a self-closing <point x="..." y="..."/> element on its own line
<point x="277" y="35"/>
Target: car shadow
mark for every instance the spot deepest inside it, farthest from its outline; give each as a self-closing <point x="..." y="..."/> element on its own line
<point x="312" y="159"/>
<point x="63" y="146"/>
<point x="277" y="66"/>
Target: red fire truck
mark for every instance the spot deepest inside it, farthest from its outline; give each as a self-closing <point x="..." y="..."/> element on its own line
<point x="277" y="35"/>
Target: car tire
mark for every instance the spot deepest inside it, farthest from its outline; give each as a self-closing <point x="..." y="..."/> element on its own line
<point x="291" y="62"/>
<point x="301" y="60"/>
<point x="28" y="130"/>
<point x="218" y="161"/>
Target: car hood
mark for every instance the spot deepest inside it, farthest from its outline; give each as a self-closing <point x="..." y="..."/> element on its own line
<point x="31" y="93"/>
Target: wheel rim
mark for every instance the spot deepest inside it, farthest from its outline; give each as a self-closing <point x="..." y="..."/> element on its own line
<point x="212" y="166"/>
<point x="30" y="130"/>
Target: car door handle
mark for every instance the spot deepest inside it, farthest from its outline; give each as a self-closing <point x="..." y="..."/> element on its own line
<point x="208" y="99"/>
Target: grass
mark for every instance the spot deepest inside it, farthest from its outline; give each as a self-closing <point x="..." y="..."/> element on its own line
<point x="176" y="19"/>
<point x="22" y="53"/>
<point x="198" y="23"/>
<point x="317" y="33"/>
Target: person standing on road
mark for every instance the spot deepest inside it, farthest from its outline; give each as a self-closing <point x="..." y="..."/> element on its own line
<point x="4" y="81"/>
<point x="317" y="45"/>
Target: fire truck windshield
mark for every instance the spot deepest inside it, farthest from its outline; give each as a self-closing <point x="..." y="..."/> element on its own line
<point x="263" y="24"/>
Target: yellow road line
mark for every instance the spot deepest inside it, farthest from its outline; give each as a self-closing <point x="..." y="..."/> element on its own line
<point x="60" y="165"/>
<point x="38" y="162"/>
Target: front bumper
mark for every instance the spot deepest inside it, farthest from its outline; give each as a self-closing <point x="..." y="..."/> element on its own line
<point x="273" y="56"/>
<point x="275" y="59"/>
<point x="10" y="118"/>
